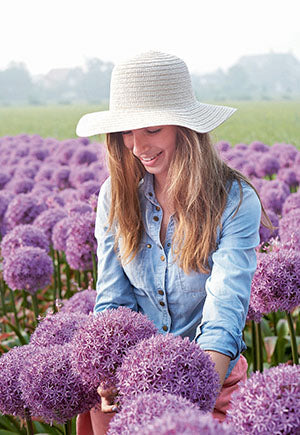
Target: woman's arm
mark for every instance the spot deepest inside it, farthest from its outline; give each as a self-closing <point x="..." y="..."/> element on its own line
<point x="221" y="363"/>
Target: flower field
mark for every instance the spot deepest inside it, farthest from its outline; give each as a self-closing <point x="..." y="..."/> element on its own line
<point x="55" y="352"/>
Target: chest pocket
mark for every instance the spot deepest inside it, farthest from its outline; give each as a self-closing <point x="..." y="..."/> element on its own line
<point x="194" y="282"/>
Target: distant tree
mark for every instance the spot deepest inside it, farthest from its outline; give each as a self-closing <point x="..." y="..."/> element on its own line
<point x="15" y="84"/>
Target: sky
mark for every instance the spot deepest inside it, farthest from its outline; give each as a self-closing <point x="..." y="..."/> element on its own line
<point x="210" y="34"/>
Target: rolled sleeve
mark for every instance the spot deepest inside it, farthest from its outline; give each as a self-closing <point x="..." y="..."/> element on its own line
<point x="233" y="265"/>
<point x="113" y="287"/>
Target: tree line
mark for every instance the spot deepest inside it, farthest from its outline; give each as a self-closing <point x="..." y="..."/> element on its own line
<point x="257" y="77"/>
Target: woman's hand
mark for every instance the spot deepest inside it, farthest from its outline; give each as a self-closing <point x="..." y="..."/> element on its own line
<point x="107" y="399"/>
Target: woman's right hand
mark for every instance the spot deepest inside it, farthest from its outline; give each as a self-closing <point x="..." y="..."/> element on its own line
<point x="107" y="399"/>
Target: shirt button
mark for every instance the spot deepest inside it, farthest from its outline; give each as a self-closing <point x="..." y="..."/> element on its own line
<point x="160" y="292"/>
<point x="165" y="328"/>
<point x="162" y="303"/>
<point x="157" y="208"/>
<point x="156" y="218"/>
<point x="168" y="245"/>
<point x="148" y="245"/>
<point x="162" y="258"/>
<point x="150" y="193"/>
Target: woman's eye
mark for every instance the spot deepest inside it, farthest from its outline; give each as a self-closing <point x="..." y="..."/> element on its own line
<point x="126" y="132"/>
<point x="154" y="131"/>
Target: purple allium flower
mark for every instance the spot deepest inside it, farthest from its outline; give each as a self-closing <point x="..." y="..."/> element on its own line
<point x="143" y="409"/>
<point x="28" y="268"/>
<point x="45" y="173"/>
<point x="276" y="282"/>
<point x="81" y="242"/>
<point x="23" y="209"/>
<point x="23" y="235"/>
<point x="49" y="387"/>
<point x="254" y="315"/>
<point x="259" y="146"/>
<point x="289" y="228"/>
<point x="232" y="154"/>
<point x="267" y="165"/>
<point x="100" y="345"/>
<point x="81" y="175"/>
<point x="60" y="234"/>
<point x="78" y="207"/>
<point x="289" y="176"/>
<point x="237" y="163"/>
<point x="286" y="154"/>
<point x="20" y="185"/>
<point x="48" y="218"/>
<point x="66" y="150"/>
<point x="57" y="328"/>
<point x="170" y="364"/>
<point x="268" y="402"/>
<point x="258" y="183"/>
<point x="223" y="146"/>
<point x="273" y="195"/>
<point x="82" y="302"/>
<point x="4" y="179"/>
<point x="11" y="364"/>
<point x="291" y="203"/>
<point x="28" y="169"/>
<point x="69" y="195"/>
<point x="241" y="147"/>
<point x="83" y="156"/>
<point x="264" y="233"/>
<point x="60" y="177"/>
<point x="40" y="153"/>
<point x="249" y="170"/>
<point x="5" y="198"/>
<point x="186" y="422"/>
<point x="89" y="188"/>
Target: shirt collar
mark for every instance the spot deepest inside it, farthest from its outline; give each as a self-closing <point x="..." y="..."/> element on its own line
<point x="147" y="187"/>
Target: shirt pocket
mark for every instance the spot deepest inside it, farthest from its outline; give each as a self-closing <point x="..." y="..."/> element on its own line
<point x="193" y="283"/>
<point x="137" y="270"/>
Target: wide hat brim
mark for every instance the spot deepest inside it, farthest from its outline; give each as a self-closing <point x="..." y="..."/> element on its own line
<point x="200" y="117"/>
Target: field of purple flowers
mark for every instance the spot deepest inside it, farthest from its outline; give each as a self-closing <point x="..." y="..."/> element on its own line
<point x="55" y="352"/>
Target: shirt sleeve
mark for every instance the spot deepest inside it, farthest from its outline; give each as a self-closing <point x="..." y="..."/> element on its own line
<point x="113" y="287"/>
<point x="233" y="265"/>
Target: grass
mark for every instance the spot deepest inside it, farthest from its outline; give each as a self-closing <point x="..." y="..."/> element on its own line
<point x="266" y="121"/>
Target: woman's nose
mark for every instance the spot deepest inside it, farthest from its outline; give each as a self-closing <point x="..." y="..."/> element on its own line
<point x="139" y="144"/>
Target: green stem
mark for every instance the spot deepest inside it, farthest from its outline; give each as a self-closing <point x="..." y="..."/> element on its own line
<point x="293" y="338"/>
<point x="274" y="318"/>
<point x="2" y="292"/>
<point x="68" y="427"/>
<point x="29" y="422"/>
<point x="77" y="275"/>
<point x="35" y="307"/>
<point x="259" y="347"/>
<point x="12" y="299"/>
<point x="54" y="278"/>
<point x="86" y="279"/>
<point x="58" y="274"/>
<point x="254" y="346"/>
<point x="94" y="270"/>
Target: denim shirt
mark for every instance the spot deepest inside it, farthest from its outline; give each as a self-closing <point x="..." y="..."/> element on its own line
<point x="208" y="308"/>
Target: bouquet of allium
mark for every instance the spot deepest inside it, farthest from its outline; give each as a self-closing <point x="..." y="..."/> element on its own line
<point x="268" y="402"/>
<point x="100" y="345"/>
<point x="169" y="364"/>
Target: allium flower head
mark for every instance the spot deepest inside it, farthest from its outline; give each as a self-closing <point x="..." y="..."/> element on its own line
<point x="223" y="146"/>
<point x="259" y="146"/>
<point x="289" y="228"/>
<point x="4" y="179"/>
<point x="11" y="364"/>
<point x="286" y="154"/>
<point x="289" y="176"/>
<point x="89" y="188"/>
<point x="273" y="195"/>
<point x="186" y="422"/>
<point x="60" y="177"/>
<point x="60" y="234"/>
<point x="276" y="282"/>
<point x="5" y="199"/>
<point x="78" y="207"/>
<point x="264" y="233"/>
<point x="170" y="364"/>
<point x="81" y="241"/>
<point x="81" y="175"/>
<point x="292" y="202"/>
<point x="82" y="302"/>
<point x="57" y="328"/>
<point x="48" y="218"/>
<point x="23" y="209"/>
<point x="69" y="195"/>
<point x="267" y="165"/>
<point x="83" y="156"/>
<point x="143" y="409"/>
<point x="23" y="235"/>
<point x="28" y="268"/>
<point x="20" y="185"/>
<point x="99" y="346"/>
<point x="268" y="402"/>
<point x="49" y="387"/>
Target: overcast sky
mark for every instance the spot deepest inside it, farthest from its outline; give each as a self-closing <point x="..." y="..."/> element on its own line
<point x="210" y="34"/>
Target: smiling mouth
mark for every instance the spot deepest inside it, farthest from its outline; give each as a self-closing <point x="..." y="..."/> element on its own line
<point x="149" y="159"/>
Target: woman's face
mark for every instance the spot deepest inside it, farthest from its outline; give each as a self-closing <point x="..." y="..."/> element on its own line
<point x="153" y="146"/>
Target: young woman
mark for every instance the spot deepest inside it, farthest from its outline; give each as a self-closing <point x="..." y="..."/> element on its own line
<point x="176" y="227"/>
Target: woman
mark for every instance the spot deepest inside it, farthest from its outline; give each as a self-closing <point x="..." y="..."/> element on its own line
<point x="176" y="227"/>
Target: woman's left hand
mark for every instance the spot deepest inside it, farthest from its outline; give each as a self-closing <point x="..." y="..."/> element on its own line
<point x="107" y="399"/>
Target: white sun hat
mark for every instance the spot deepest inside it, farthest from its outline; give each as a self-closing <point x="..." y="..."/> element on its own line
<point x="152" y="89"/>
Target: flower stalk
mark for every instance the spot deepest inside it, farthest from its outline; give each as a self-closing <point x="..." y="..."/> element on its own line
<point x="293" y="338"/>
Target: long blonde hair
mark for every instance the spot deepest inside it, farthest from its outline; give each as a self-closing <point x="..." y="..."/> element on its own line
<point x="199" y="186"/>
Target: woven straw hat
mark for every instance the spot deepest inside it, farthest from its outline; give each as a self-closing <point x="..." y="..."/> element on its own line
<point x="149" y="90"/>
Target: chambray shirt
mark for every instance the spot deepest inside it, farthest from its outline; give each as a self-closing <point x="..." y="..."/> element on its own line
<point x="208" y="308"/>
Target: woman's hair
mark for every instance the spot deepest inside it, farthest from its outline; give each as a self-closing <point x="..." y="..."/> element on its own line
<point x="198" y="203"/>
